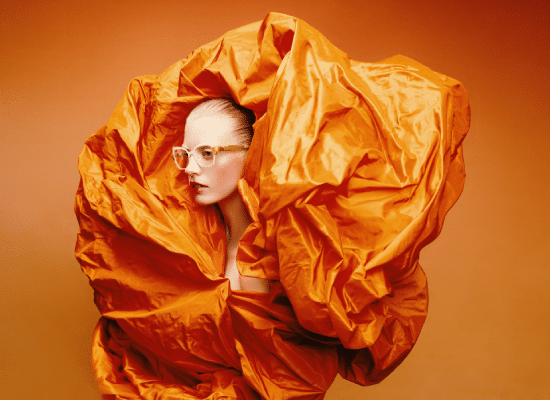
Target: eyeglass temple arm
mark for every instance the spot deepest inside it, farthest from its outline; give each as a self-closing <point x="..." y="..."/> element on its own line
<point x="229" y="148"/>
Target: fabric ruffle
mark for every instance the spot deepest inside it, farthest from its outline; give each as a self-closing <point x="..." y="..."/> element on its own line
<point x="351" y="171"/>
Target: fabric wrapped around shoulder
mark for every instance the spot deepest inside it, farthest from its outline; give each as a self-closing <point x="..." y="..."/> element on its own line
<point x="351" y="171"/>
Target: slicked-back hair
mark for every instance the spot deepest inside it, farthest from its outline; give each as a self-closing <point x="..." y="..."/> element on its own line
<point x="243" y="117"/>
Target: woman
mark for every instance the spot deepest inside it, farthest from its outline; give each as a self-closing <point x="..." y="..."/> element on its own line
<point x="213" y="129"/>
<point x="211" y="286"/>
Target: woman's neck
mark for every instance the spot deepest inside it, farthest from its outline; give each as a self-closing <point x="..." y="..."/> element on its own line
<point x="235" y="215"/>
<point x="236" y="218"/>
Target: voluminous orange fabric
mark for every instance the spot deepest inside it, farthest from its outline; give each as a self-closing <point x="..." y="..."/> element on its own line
<point x="351" y="171"/>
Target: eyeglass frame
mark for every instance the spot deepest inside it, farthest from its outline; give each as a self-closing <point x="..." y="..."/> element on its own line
<point x="214" y="150"/>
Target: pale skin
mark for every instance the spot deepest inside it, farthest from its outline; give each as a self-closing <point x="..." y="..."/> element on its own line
<point x="218" y="184"/>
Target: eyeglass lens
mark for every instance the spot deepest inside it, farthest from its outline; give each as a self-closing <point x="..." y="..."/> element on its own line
<point x="204" y="156"/>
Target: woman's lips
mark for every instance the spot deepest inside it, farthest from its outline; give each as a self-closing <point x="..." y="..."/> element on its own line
<point x="196" y="185"/>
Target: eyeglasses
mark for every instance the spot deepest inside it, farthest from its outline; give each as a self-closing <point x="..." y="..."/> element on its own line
<point x="205" y="156"/>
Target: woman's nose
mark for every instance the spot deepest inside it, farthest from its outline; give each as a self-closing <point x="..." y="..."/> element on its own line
<point x="193" y="167"/>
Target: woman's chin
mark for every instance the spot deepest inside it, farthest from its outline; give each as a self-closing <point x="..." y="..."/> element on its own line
<point x="205" y="199"/>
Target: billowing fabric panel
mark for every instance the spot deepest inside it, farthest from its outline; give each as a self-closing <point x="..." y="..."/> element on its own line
<point x="351" y="171"/>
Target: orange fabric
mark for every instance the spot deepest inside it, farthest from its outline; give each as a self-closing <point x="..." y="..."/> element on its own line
<point x="351" y="171"/>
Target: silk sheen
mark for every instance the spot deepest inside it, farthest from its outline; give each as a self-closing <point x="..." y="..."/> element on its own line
<point x="351" y="171"/>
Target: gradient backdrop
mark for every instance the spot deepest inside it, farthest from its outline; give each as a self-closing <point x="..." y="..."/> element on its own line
<point x="63" y="68"/>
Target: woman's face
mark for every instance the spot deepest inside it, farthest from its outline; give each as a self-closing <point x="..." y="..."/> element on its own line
<point x="212" y="184"/>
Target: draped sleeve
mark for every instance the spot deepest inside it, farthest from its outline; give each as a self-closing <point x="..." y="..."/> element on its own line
<point x="351" y="171"/>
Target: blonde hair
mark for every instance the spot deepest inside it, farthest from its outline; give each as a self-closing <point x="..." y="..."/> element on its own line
<point x="243" y="117"/>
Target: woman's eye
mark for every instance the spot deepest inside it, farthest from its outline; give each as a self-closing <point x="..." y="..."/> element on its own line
<point x="207" y="153"/>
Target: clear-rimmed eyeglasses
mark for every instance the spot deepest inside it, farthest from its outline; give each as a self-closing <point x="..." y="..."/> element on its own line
<point x="205" y="156"/>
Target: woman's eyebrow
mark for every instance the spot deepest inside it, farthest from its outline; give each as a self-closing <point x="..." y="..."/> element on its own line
<point x="197" y="146"/>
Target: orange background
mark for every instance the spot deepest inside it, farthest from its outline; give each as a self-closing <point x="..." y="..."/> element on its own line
<point x="64" y="66"/>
